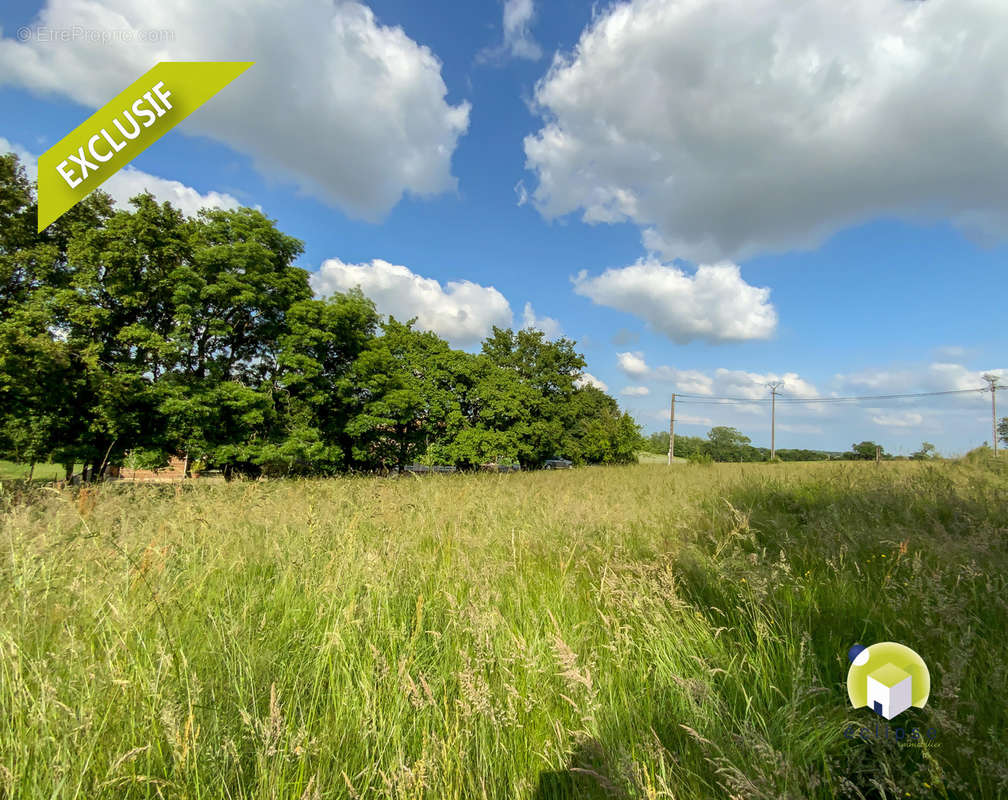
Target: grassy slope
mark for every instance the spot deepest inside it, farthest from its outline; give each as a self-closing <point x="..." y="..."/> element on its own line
<point x="11" y="471"/>
<point x="636" y="631"/>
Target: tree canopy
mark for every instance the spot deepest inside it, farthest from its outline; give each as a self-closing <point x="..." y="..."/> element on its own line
<point x="143" y="334"/>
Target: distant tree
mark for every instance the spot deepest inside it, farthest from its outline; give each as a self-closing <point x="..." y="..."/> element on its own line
<point x="726" y="444"/>
<point x="864" y="451"/>
<point x="927" y="450"/>
<point x="656" y="442"/>
<point x="549" y="370"/>
<point x="1003" y="430"/>
<point x="686" y="446"/>
<point x="598" y="432"/>
<point x="789" y="454"/>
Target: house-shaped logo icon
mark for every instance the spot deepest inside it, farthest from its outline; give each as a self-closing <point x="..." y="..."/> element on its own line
<point x="889" y="690"/>
<point x="888" y="678"/>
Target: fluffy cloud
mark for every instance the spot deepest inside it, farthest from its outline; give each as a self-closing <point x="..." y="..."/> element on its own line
<point x="547" y="325"/>
<point x="587" y="379"/>
<point x="350" y="110"/>
<point x="718" y="383"/>
<point x="129" y="182"/>
<point x="951" y="421"/>
<point x="938" y="376"/>
<point x="635" y="391"/>
<point x="633" y="364"/>
<point x="28" y="160"/>
<point x="462" y="312"/>
<point x="714" y="304"/>
<point x="726" y="130"/>
<point x="518" y="17"/>
<point x="906" y="419"/>
<point x="518" y="40"/>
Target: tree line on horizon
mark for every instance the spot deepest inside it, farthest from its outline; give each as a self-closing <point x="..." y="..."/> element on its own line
<point x="135" y="336"/>
<point x="729" y="444"/>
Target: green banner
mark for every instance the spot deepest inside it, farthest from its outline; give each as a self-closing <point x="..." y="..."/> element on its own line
<point x="122" y="129"/>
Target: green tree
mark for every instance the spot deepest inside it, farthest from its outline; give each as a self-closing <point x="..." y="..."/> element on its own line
<point x="598" y="431"/>
<point x="546" y="371"/>
<point x="864" y="451"/>
<point x="656" y="442"/>
<point x="230" y="302"/>
<point x="404" y="387"/>
<point x="726" y="444"/>
<point x="316" y="358"/>
<point x="47" y="394"/>
<point x="1003" y="430"/>
<point x="144" y="334"/>
<point x="927" y="450"/>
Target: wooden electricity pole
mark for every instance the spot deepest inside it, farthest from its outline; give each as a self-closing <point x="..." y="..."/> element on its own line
<point x="992" y="380"/>
<point x="671" y="432"/>
<point x="774" y="386"/>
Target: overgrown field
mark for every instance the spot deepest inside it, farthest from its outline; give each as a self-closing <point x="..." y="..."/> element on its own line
<point x="604" y="632"/>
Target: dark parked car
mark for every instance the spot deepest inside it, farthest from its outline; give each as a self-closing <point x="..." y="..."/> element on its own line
<point x="557" y="463"/>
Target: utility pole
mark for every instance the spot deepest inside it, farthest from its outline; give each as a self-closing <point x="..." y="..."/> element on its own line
<point x="671" y="432"/>
<point x="992" y="381"/>
<point x="773" y="386"/>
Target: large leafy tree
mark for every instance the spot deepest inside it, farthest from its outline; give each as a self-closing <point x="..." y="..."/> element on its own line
<point x="114" y="311"/>
<point x="547" y="372"/>
<point x="864" y="451"/>
<point x="726" y="444"/>
<point x="316" y="360"/>
<point x="230" y="299"/>
<point x="404" y="384"/>
<point x="599" y="433"/>
<point x="47" y="390"/>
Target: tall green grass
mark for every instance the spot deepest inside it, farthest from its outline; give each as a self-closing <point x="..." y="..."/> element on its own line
<point x="604" y="632"/>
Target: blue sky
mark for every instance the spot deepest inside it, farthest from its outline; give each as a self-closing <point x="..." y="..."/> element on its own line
<point x="703" y="197"/>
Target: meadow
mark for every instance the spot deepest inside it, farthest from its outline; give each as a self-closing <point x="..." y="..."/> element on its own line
<point x="636" y="632"/>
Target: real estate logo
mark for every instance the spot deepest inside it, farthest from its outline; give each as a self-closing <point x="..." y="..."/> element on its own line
<point x="888" y="678"/>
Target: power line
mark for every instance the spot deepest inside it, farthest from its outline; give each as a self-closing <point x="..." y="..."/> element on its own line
<point x="879" y="396"/>
<point x="699" y="399"/>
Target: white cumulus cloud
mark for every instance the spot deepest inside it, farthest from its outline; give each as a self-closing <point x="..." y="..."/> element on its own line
<point x="547" y="325"/>
<point x="906" y="419"/>
<point x="635" y="391"/>
<point x="587" y="379"/>
<point x="462" y="312"/>
<point x="725" y="129"/>
<point x="350" y="110"/>
<point x="633" y="364"/>
<point x="518" y="41"/>
<point x="720" y="382"/>
<point x="938" y="376"/>
<point x="129" y="182"/>
<point x="714" y="304"/>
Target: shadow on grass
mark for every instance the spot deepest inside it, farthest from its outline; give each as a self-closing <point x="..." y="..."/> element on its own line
<point x="585" y="778"/>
